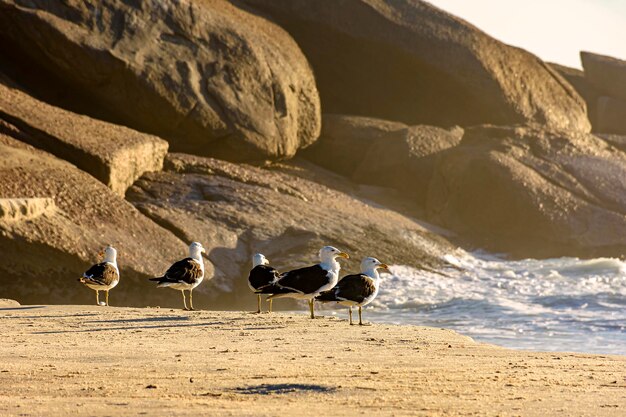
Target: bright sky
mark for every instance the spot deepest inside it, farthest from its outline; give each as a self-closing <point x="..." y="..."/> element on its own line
<point x="554" y="30"/>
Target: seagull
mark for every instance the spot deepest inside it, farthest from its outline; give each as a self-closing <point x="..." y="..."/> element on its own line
<point x="103" y="276"/>
<point x="306" y="283"/>
<point x="261" y="275"/>
<point x="185" y="274"/>
<point x="358" y="289"/>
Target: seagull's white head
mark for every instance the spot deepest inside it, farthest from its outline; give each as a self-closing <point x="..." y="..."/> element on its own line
<point x="370" y="264"/>
<point x="329" y="253"/>
<point x="109" y="253"/>
<point x="259" y="259"/>
<point x="196" y="249"/>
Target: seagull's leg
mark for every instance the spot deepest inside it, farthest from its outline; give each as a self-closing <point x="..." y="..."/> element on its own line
<point x="184" y="299"/>
<point x="271" y="300"/>
<point x="350" y="314"/>
<point x="311" y="307"/>
<point x="258" y="303"/>
<point x="97" y="298"/>
<point x="106" y="294"/>
<point x="360" y="320"/>
<point x="191" y="299"/>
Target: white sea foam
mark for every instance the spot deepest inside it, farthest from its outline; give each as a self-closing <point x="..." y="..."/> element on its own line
<point x="554" y="304"/>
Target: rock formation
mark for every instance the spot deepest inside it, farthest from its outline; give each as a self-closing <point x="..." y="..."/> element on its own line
<point x="611" y="115"/>
<point x="113" y="154"/>
<point x="277" y="211"/>
<point x="207" y="76"/>
<point x="584" y="88"/>
<point x="606" y="73"/>
<point x="533" y="192"/>
<point x="93" y="92"/>
<point x="61" y="220"/>
<point x="409" y="61"/>
<point x="380" y="152"/>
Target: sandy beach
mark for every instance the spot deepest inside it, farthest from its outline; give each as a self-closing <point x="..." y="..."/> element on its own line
<point x="98" y="361"/>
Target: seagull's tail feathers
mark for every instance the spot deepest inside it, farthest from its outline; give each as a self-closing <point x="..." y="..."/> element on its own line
<point x="268" y="289"/>
<point x="327" y="297"/>
<point x="162" y="282"/>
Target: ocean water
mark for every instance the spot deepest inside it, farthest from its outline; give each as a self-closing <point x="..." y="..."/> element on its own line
<point x="564" y="304"/>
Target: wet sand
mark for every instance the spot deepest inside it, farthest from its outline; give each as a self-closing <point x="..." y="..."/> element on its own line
<point x="98" y="361"/>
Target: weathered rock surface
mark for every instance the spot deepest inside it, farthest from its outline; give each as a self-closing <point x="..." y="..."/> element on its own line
<point x="619" y="141"/>
<point x="58" y="219"/>
<point x="533" y="192"/>
<point x="113" y="154"/>
<point x="606" y="73"/>
<point x="345" y="141"/>
<point x="409" y="61"/>
<point x="23" y="209"/>
<point x="7" y="303"/>
<point x="583" y="87"/>
<point x="209" y="77"/>
<point x="611" y="115"/>
<point x="284" y="212"/>
<point x="380" y="152"/>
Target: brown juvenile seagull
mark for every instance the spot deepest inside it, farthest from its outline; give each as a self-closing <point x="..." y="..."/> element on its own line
<point x="307" y="283"/>
<point x="358" y="289"/>
<point x="262" y="275"/>
<point x="185" y="274"/>
<point x="103" y="276"/>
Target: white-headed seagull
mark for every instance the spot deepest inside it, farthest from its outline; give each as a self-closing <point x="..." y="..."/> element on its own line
<point x="358" y="289"/>
<point x="185" y="274"/>
<point x="307" y="283"/>
<point x="262" y="276"/>
<point x="103" y="276"/>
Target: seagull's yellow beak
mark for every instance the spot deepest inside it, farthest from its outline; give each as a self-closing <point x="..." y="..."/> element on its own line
<point x="343" y="255"/>
<point x="385" y="267"/>
<point x="202" y="250"/>
<point x="101" y="254"/>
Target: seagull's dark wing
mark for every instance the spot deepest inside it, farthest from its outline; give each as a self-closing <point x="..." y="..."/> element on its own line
<point x="186" y="271"/>
<point x="102" y="273"/>
<point x="263" y="275"/>
<point x="304" y="280"/>
<point x="355" y="288"/>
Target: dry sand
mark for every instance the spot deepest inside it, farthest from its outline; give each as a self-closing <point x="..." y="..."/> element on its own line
<point x="89" y="360"/>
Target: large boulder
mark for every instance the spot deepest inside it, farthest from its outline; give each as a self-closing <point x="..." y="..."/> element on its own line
<point x="113" y="154"/>
<point x="55" y="218"/>
<point x="533" y="192"/>
<point x="380" y="152"/>
<point x="606" y="73"/>
<point x="209" y="77"/>
<point x="345" y="141"/>
<point x="285" y="212"/>
<point x="407" y="60"/>
<point x="583" y="87"/>
<point x="611" y="115"/>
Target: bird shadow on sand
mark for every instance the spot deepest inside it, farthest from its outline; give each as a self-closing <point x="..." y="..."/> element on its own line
<point x="279" y="389"/>
<point x="142" y="320"/>
<point x="53" y="316"/>
<point x="120" y="328"/>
